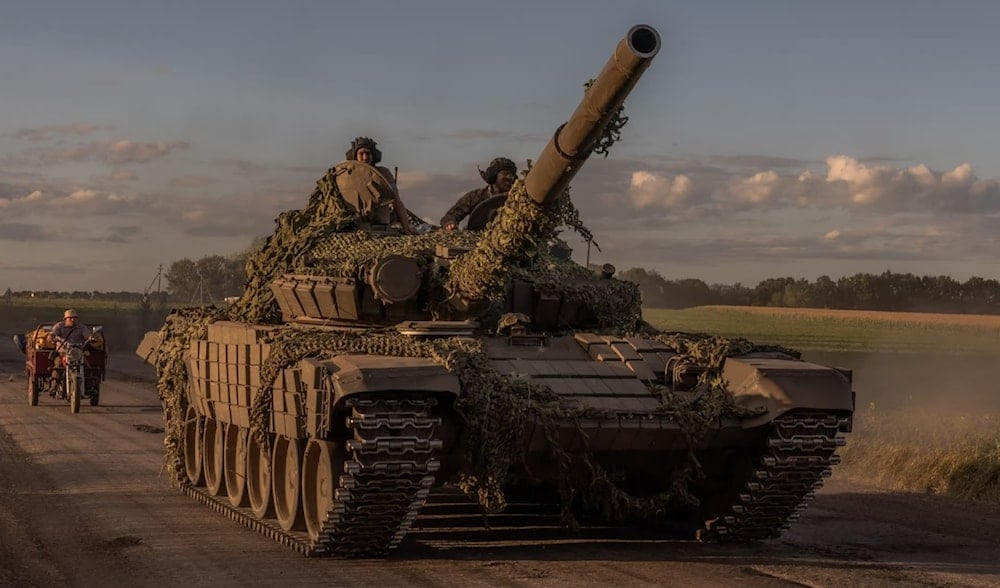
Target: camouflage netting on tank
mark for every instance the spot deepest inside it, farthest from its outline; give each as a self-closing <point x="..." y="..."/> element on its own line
<point x="346" y="254"/>
<point x="180" y="328"/>
<point x="520" y="230"/>
<point x="613" y="131"/>
<point x="615" y="304"/>
<point x="295" y="236"/>
<point x="494" y="406"/>
<point x="587" y="483"/>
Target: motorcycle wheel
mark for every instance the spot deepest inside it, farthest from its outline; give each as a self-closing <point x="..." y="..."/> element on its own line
<point x="32" y="391"/>
<point x="73" y="391"/>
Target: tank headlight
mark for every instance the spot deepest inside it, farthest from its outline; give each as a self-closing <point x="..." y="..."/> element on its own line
<point x="395" y="278"/>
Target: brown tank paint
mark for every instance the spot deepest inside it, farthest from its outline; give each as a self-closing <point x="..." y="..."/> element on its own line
<point x="358" y="440"/>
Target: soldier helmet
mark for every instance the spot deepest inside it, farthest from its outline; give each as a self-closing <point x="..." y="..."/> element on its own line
<point x="493" y="169"/>
<point x="368" y="142"/>
<point x="70" y="313"/>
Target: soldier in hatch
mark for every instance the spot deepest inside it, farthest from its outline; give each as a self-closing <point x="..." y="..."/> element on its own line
<point x="499" y="177"/>
<point x="365" y="150"/>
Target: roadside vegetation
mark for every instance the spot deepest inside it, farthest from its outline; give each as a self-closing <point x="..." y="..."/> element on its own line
<point x="917" y="445"/>
<point x="924" y="451"/>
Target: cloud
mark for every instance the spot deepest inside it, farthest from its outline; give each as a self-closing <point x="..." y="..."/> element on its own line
<point x="117" y="152"/>
<point x="71" y="202"/>
<point x="121" y="175"/>
<point x="652" y="190"/>
<point x="50" y="132"/>
<point x="122" y="234"/>
<point x="235" y="214"/>
<point x="257" y="169"/>
<point x="916" y="188"/>
<point x="758" y="188"/>
<point x="846" y="183"/>
<point x="22" y="232"/>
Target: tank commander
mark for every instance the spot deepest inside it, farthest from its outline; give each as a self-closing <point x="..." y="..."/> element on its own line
<point x="499" y="177"/>
<point x="365" y="150"/>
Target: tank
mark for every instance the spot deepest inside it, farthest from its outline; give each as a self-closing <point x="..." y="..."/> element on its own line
<point x="364" y="369"/>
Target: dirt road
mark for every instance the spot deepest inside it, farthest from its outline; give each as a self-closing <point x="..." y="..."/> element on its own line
<point x="83" y="502"/>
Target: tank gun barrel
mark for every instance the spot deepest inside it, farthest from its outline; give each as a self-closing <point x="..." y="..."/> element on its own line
<point x="525" y="217"/>
<point x="573" y="142"/>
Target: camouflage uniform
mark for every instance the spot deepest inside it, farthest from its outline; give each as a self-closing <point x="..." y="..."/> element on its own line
<point x="465" y="204"/>
<point x="473" y="198"/>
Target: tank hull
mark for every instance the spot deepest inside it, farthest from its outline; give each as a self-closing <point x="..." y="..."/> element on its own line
<point x="355" y="443"/>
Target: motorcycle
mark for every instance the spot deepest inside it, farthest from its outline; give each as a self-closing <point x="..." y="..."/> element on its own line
<point x="79" y="381"/>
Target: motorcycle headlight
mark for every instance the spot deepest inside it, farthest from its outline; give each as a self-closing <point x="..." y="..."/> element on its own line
<point x="75" y="354"/>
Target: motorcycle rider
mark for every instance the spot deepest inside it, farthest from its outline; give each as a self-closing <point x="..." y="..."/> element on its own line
<point x="69" y="331"/>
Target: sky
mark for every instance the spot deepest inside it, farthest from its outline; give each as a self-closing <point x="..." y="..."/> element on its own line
<point x="767" y="139"/>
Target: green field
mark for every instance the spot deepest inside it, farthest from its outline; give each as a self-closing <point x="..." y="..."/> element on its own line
<point x="124" y="323"/>
<point x="839" y="331"/>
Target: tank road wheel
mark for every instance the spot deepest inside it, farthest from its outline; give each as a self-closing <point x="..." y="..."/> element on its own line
<point x="193" y="439"/>
<point x="322" y="465"/>
<point x="259" y="478"/>
<point x="213" y="454"/>
<point x="32" y="391"/>
<point x="236" y="465"/>
<point x="286" y="482"/>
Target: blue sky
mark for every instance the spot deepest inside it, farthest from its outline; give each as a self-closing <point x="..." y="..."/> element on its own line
<point x="767" y="139"/>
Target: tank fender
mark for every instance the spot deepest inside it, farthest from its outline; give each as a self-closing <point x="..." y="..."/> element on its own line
<point x="148" y="347"/>
<point x="355" y="374"/>
<point x="775" y="386"/>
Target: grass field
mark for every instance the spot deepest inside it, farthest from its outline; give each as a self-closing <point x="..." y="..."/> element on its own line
<point x="810" y="329"/>
<point x="924" y="451"/>
<point x="124" y="323"/>
<point x="935" y="371"/>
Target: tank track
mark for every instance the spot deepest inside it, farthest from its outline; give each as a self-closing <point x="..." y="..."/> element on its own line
<point x="798" y="454"/>
<point x="386" y="480"/>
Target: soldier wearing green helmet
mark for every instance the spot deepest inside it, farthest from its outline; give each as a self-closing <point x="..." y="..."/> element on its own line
<point x="499" y="176"/>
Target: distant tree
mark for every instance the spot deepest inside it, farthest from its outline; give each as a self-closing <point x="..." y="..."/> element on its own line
<point x="208" y="279"/>
<point x="771" y="292"/>
<point x="182" y="279"/>
<point x="797" y="294"/>
<point x="734" y="295"/>
<point x="825" y="293"/>
<point x="651" y="285"/>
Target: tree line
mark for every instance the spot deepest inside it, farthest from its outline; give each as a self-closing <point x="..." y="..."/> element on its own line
<point x="212" y="278"/>
<point x="209" y="279"/>
<point x="864" y="291"/>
